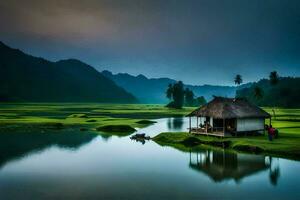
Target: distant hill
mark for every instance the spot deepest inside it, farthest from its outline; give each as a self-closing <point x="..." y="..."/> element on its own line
<point x="152" y="90"/>
<point x="25" y="78"/>
<point x="285" y="94"/>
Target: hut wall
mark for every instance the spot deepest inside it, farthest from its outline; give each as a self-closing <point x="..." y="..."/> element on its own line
<point x="252" y="124"/>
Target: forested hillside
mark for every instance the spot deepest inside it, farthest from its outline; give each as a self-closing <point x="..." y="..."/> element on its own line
<point x="286" y="93"/>
<point x="25" y="78"/>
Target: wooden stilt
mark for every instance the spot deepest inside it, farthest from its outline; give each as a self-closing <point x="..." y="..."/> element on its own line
<point x="264" y="126"/>
<point x="197" y="125"/>
<point x="190" y="130"/>
<point x="224" y="127"/>
<point x="206" y="127"/>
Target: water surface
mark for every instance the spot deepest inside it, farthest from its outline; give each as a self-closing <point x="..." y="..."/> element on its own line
<point x="73" y="164"/>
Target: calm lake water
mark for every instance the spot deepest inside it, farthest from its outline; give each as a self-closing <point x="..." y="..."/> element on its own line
<point x="82" y="165"/>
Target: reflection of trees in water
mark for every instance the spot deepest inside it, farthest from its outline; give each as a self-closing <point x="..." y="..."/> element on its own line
<point x="222" y="165"/>
<point x="274" y="172"/>
<point x="175" y="123"/>
<point x="16" y="145"/>
<point x="105" y="136"/>
<point x="169" y="123"/>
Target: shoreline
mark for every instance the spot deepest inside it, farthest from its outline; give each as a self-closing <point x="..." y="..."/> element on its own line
<point x="184" y="141"/>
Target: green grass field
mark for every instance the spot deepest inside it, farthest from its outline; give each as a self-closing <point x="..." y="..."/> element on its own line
<point x="41" y="117"/>
<point x="31" y="117"/>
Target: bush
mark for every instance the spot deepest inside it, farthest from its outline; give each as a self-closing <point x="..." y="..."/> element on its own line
<point x="116" y="128"/>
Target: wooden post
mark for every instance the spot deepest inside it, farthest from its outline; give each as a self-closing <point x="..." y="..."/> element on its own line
<point x="190" y="156"/>
<point x="197" y="125"/>
<point x="190" y="124"/>
<point x="224" y="126"/>
<point x="264" y="126"/>
<point x="206" y="126"/>
<point x="270" y="121"/>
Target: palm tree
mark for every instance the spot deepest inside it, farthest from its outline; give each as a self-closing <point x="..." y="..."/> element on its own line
<point x="258" y="92"/>
<point x="238" y="79"/>
<point x="274" y="79"/>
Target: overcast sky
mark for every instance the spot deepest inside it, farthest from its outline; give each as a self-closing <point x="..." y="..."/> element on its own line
<point x="196" y="41"/>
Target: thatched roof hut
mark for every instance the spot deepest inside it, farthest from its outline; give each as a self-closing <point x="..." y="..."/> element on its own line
<point x="228" y="108"/>
<point x="228" y="115"/>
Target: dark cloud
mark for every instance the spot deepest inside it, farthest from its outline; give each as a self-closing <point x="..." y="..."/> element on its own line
<point x="196" y="41"/>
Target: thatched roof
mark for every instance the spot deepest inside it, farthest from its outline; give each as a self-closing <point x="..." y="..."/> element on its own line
<point x="232" y="169"/>
<point x="226" y="108"/>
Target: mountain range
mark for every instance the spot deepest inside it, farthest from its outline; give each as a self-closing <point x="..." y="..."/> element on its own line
<point x="25" y="78"/>
<point x="152" y="90"/>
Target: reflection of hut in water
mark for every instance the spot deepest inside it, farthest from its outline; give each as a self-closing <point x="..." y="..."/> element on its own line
<point x="220" y="166"/>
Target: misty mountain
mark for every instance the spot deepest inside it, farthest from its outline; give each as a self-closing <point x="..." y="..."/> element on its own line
<point x="152" y="90"/>
<point x="25" y="78"/>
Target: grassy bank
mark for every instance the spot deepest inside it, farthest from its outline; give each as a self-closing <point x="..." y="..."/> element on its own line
<point x="31" y="117"/>
<point x="287" y="145"/>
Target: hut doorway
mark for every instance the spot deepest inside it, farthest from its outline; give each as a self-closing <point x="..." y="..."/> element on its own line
<point x="218" y="123"/>
<point x="230" y="125"/>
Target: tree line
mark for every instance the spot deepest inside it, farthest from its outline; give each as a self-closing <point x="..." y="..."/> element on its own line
<point x="258" y="92"/>
<point x="272" y="91"/>
<point x="180" y="96"/>
<point x="269" y="92"/>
